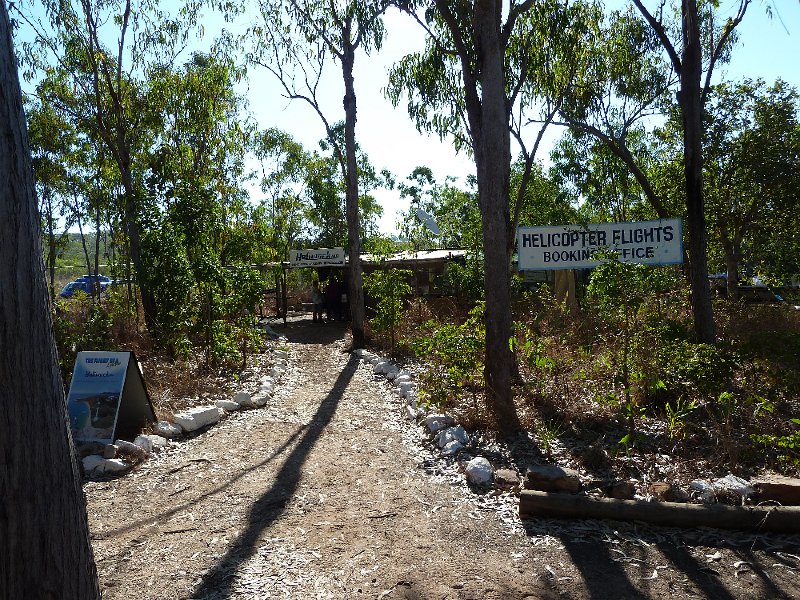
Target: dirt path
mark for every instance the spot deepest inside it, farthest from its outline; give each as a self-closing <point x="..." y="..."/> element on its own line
<point x="327" y="493"/>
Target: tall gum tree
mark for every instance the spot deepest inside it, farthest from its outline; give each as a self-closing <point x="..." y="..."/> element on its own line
<point x="475" y="36"/>
<point x="686" y="58"/>
<point x="486" y="67"/>
<point x="109" y="80"/>
<point x="44" y="535"/>
<point x="326" y="29"/>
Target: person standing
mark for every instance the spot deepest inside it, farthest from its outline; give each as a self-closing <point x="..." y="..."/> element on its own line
<point x="318" y="300"/>
<point x="332" y="301"/>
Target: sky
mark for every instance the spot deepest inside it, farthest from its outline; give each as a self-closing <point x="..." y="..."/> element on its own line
<point x="768" y="48"/>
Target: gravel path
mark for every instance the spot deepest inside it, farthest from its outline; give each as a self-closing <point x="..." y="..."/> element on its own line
<point x="327" y="493"/>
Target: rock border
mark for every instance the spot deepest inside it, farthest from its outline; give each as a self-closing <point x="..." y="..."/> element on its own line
<point x="121" y="456"/>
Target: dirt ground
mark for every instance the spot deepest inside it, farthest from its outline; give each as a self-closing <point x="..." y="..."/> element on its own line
<point x="328" y="493"/>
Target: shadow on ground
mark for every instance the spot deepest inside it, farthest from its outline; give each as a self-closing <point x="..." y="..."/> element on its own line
<point x="216" y="583"/>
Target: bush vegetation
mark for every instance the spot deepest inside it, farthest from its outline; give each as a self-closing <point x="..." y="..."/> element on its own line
<point x="622" y="376"/>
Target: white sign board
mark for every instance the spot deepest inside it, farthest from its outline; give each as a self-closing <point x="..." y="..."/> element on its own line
<point x="574" y="246"/>
<point x="318" y="257"/>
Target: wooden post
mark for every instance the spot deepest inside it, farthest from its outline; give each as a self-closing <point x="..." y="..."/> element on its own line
<point x="779" y="519"/>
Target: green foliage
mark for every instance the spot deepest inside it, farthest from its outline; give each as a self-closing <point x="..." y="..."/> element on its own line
<point x="547" y="433"/>
<point x="454" y="355"/>
<point x="81" y="324"/>
<point x="389" y="288"/>
<point x="690" y="368"/>
<point x="787" y="447"/>
<point x="677" y="413"/>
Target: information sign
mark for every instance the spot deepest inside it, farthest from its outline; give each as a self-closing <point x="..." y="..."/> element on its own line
<point x="319" y="257"/>
<point x="107" y="397"/>
<point x="657" y="242"/>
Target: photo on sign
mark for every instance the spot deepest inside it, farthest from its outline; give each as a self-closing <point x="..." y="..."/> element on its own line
<point x="92" y="414"/>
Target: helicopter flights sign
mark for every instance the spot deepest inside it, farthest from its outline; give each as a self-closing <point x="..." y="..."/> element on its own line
<point x="657" y="242"/>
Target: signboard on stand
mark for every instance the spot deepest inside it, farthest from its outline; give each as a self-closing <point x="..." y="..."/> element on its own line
<point x="107" y="397"/>
<point x="657" y="242"/>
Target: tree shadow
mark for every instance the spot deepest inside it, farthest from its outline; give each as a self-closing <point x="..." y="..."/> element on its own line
<point x="604" y="575"/>
<point x="600" y="572"/>
<point x="302" y="330"/>
<point x="183" y="506"/>
<point x="216" y="583"/>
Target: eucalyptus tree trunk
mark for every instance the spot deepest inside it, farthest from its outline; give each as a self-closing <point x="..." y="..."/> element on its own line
<point x="488" y="116"/>
<point x="690" y="102"/>
<point x="44" y="536"/>
<point x="356" y="285"/>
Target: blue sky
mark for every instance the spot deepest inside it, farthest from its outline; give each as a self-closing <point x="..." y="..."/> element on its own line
<point x="768" y="48"/>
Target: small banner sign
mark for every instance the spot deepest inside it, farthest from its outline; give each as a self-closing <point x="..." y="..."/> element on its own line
<point x="319" y="257"/>
<point x="575" y="246"/>
<point x="107" y="397"/>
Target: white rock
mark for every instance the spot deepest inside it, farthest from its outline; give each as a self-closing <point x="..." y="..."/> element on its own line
<point x="360" y="352"/>
<point x="452" y="434"/>
<point x="405" y="385"/>
<point x="156" y="442"/>
<point x="267" y="381"/>
<point x="411" y="413"/>
<point x="375" y="359"/>
<point x="479" y="471"/>
<point x="406" y="390"/>
<point x="704" y="490"/>
<point x="145" y="443"/>
<point x="452" y="447"/>
<point x="243" y="399"/>
<point x="436" y="422"/>
<point x="382" y="367"/>
<point x="228" y="405"/>
<point x="196" y="418"/>
<point x="281" y="354"/>
<point x="127" y="447"/>
<point x="168" y="430"/>
<point x="91" y="462"/>
<point x="265" y="390"/>
<point x="276" y="372"/>
<point x="259" y="399"/>
<point x="97" y="464"/>
<point x="402" y="378"/>
<point x="732" y="485"/>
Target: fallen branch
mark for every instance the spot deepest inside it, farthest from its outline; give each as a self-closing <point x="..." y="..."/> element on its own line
<point x="780" y="519"/>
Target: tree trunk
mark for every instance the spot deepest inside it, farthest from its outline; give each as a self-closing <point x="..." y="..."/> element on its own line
<point x="356" y="286"/>
<point x="492" y="145"/>
<point x="44" y="535"/>
<point x="135" y="248"/>
<point x="732" y="267"/>
<point x="690" y="101"/>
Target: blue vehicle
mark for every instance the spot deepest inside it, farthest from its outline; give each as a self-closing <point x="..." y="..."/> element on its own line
<point x="84" y="284"/>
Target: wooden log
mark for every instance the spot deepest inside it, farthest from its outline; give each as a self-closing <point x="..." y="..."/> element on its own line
<point x="779" y="519"/>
